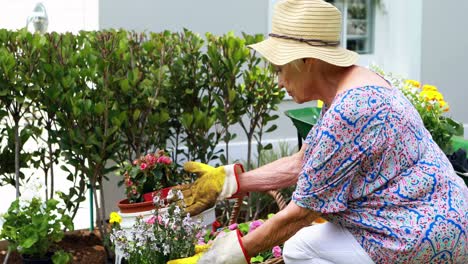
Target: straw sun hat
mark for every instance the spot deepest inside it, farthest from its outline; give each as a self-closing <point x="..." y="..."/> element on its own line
<point x="305" y="29"/>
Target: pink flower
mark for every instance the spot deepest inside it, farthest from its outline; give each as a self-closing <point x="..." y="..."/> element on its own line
<point x="135" y="162"/>
<point x="276" y="251"/>
<point x="164" y="160"/>
<point x="151" y="220"/>
<point x="129" y="183"/>
<point x="143" y="166"/>
<point x="233" y="226"/>
<point x="150" y="159"/>
<point x="254" y="225"/>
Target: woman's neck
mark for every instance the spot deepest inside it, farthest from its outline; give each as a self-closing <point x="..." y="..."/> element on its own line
<point x="333" y="81"/>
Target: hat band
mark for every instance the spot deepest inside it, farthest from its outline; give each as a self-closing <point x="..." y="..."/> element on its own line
<point x="311" y="42"/>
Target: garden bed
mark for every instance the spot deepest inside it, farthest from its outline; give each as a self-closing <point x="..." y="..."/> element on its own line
<point x="85" y="246"/>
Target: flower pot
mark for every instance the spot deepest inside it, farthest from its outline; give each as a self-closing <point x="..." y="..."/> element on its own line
<point x="126" y="207"/>
<point x="162" y="194"/>
<point x="31" y="260"/>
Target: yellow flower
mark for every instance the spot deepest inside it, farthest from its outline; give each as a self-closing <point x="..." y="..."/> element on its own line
<point x="444" y="106"/>
<point x="115" y="218"/>
<point x="432" y="95"/>
<point x="428" y="87"/>
<point x="413" y="83"/>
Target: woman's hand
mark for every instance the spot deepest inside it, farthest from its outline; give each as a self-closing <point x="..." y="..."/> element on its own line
<point x="291" y="219"/>
<point x="227" y="249"/>
<point x="212" y="184"/>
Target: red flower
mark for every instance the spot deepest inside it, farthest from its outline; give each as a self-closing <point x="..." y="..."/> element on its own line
<point x="143" y="166"/>
<point x="150" y="159"/>
<point x="164" y="160"/>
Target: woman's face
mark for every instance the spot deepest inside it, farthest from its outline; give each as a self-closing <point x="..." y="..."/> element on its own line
<point x="295" y="78"/>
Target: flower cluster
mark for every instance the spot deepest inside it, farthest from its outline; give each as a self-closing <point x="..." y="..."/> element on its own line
<point x="33" y="226"/>
<point x="151" y="172"/>
<point x="168" y="234"/>
<point x="431" y="106"/>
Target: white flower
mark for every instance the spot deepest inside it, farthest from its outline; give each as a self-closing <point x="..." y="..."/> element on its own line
<point x="170" y="194"/>
<point x="156" y="199"/>
<point x="177" y="210"/>
<point x="55" y="213"/>
<point x="166" y="249"/>
<point x="180" y="195"/>
<point x="34" y="188"/>
<point x="24" y="203"/>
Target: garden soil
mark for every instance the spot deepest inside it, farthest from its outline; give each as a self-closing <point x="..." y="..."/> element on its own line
<point x="85" y="246"/>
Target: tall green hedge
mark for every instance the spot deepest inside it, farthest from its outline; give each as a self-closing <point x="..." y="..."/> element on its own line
<point x="96" y="97"/>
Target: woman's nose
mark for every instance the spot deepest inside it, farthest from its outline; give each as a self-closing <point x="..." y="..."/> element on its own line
<point x="280" y="83"/>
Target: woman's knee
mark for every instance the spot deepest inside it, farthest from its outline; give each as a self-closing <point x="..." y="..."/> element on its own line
<point x="296" y="248"/>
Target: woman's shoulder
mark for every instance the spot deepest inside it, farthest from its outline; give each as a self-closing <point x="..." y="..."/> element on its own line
<point x="360" y="104"/>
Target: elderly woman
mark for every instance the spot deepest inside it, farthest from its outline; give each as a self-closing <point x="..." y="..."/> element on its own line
<point x="368" y="166"/>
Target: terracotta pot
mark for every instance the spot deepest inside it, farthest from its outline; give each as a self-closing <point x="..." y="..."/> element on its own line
<point x="126" y="207"/>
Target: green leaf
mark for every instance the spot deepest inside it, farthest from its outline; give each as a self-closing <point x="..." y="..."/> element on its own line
<point x="29" y="241"/>
<point x="136" y="114"/>
<point x="61" y="257"/>
<point x="258" y="258"/>
<point x="125" y="85"/>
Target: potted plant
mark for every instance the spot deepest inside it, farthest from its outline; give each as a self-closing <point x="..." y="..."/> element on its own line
<point x="147" y="174"/>
<point x="32" y="227"/>
<point x="168" y="234"/>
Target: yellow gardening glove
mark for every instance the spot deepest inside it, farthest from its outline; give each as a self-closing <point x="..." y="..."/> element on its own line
<point x="212" y="184"/>
<point x="199" y="250"/>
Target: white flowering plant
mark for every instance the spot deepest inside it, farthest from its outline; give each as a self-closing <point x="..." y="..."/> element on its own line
<point x="168" y="234"/>
<point x="32" y="227"/>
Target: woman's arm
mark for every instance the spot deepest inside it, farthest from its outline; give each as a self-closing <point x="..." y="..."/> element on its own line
<point x="275" y="175"/>
<point x="278" y="229"/>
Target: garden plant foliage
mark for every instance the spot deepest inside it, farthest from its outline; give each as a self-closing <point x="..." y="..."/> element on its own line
<point x="94" y="101"/>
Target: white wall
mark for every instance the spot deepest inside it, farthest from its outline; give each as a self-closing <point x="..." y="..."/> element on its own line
<point x="397" y="38"/>
<point x="63" y="15"/>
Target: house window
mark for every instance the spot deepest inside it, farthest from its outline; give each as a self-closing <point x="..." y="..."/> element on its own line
<point x="358" y="16"/>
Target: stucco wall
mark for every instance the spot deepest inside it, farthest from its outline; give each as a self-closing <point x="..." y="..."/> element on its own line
<point x="201" y="16"/>
<point x="444" y="53"/>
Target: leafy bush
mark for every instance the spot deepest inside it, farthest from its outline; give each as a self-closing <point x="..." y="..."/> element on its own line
<point x="32" y="227"/>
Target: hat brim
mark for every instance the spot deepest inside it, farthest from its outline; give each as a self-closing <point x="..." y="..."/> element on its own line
<point x="281" y="52"/>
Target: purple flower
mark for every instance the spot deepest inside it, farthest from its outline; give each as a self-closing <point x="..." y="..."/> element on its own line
<point x="254" y="225"/>
<point x="233" y="226"/>
<point x="276" y="251"/>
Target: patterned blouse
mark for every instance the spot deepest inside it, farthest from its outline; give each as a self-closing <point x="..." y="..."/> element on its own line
<point x="372" y="167"/>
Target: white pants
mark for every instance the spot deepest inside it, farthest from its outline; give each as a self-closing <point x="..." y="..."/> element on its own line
<point x="324" y="244"/>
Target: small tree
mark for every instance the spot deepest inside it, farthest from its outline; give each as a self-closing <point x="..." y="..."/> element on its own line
<point x="224" y="59"/>
<point x="20" y="52"/>
<point x="191" y="102"/>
